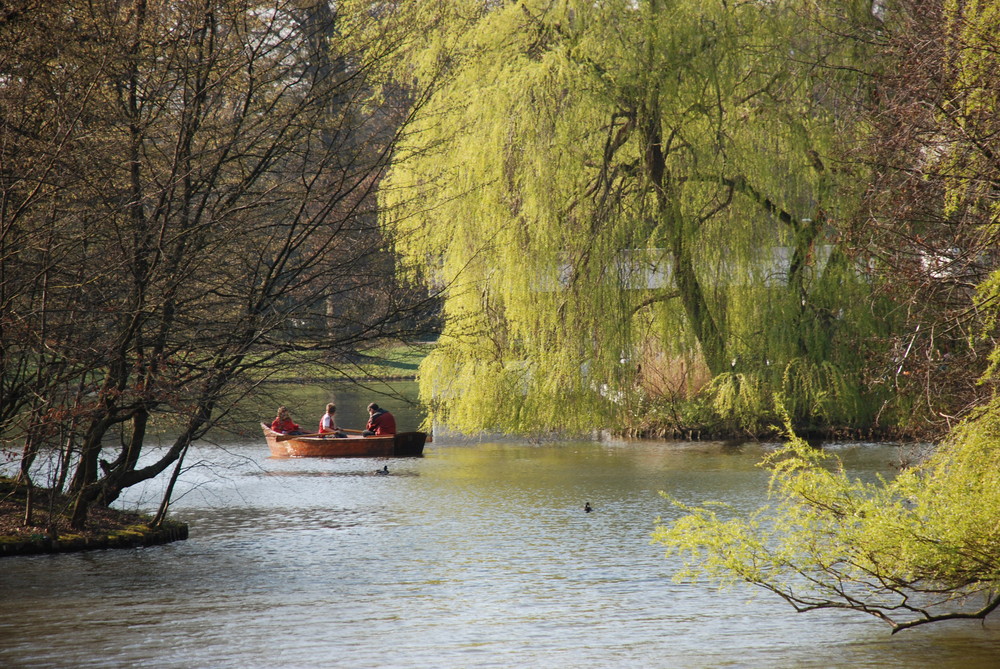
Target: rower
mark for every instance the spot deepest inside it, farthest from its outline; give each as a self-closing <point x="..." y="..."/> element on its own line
<point x="380" y="423"/>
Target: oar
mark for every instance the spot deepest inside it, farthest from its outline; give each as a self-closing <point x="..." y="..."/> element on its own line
<point x="347" y="429"/>
<point x="286" y="437"/>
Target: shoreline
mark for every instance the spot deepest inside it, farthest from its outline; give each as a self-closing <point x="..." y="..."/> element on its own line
<point x="49" y="531"/>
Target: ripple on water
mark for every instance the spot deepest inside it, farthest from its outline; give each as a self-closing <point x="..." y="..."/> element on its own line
<point x="475" y="556"/>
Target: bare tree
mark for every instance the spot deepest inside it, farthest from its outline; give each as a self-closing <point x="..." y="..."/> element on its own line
<point x="929" y="215"/>
<point x="186" y="189"/>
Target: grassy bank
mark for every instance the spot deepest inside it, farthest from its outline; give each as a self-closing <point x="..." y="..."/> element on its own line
<point x="386" y="363"/>
<point x="48" y="529"/>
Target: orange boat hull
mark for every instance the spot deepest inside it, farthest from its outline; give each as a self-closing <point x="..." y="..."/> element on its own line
<point x="352" y="446"/>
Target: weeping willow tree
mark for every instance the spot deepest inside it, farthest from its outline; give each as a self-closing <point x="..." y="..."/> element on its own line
<point x="925" y="546"/>
<point x="619" y="189"/>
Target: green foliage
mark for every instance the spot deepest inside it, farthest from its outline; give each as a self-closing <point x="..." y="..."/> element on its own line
<point x="590" y="179"/>
<point x="989" y="301"/>
<point x="387" y="362"/>
<point x="820" y="390"/>
<point x="925" y="546"/>
<point x="814" y="395"/>
<point x="920" y="548"/>
<point x="741" y="399"/>
<point x="973" y="28"/>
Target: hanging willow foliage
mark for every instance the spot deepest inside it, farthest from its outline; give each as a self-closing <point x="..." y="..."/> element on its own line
<point x="593" y="181"/>
<point x="923" y="547"/>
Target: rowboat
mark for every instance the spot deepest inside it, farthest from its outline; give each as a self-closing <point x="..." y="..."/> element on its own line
<point x="403" y="444"/>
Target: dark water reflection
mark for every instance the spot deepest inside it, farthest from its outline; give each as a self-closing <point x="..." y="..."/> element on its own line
<point x="472" y="556"/>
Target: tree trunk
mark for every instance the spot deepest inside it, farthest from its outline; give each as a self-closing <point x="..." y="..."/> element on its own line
<point x="671" y="220"/>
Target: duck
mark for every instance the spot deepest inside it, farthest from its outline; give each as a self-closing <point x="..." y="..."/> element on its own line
<point x="587" y="507"/>
<point x="383" y="471"/>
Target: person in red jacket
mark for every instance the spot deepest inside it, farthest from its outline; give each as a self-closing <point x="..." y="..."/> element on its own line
<point x="381" y="422"/>
<point x="283" y="423"/>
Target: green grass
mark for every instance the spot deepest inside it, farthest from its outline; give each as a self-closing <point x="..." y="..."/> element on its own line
<point x="391" y="362"/>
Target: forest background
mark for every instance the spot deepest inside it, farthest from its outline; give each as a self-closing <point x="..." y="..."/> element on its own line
<point x="660" y="218"/>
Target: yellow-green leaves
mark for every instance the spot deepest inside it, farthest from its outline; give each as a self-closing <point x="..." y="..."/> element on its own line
<point x="909" y="550"/>
<point x="601" y="186"/>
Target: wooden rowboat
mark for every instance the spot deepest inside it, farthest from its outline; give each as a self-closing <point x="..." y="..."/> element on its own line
<point x="403" y="444"/>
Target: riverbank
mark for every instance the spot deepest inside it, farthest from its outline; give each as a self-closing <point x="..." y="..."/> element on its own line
<point x="394" y="363"/>
<point x="50" y="532"/>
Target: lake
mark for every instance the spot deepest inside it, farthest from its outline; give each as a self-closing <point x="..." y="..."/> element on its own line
<point x="478" y="554"/>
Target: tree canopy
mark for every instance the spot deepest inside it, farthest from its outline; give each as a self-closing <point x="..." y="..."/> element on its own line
<point x="778" y="212"/>
<point x="185" y="194"/>
<point x="627" y="200"/>
<point x="922" y="547"/>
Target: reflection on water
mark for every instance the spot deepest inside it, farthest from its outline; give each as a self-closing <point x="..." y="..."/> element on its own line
<point x="471" y="556"/>
<point x="376" y="472"/>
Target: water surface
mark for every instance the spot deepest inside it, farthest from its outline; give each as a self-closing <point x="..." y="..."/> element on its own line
<point x="476" y="555"/>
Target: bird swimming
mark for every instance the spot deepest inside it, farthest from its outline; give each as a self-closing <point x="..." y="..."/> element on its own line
<point x="587" y="507"/>
<point x="383" y="471"/>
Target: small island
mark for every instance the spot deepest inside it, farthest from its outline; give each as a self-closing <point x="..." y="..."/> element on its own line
<point x="49" y="530"/>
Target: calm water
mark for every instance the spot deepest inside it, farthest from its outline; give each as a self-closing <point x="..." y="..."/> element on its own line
<point x="476" y="555"/>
